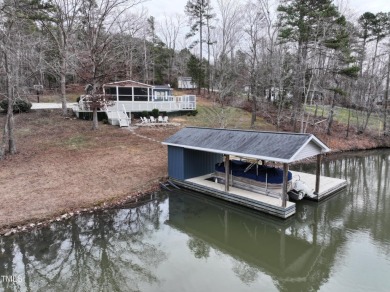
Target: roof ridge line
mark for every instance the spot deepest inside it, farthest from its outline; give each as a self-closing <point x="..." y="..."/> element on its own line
<point x="251" y="131"/>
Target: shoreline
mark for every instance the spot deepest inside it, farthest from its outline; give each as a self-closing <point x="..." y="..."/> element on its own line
<point x="127" y="200"/>
<point x="64" y="169"/>
<point x="113" y="203"/>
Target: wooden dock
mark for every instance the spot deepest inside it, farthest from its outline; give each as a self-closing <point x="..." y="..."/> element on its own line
<point x="328" y="185"/>
<point x="263" y="201"/>
<point x="257" y="201"/>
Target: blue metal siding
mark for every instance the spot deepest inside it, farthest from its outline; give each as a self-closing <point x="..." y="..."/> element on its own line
<point x="186" y="163"/>
<point x="176" y="162"/>
<point x="197" y="163"/>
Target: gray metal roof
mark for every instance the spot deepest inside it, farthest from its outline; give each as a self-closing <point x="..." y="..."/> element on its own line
<point x="272" y="146"/>
<point x="127" y="83"/>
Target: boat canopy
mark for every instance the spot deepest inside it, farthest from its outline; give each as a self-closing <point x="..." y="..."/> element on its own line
<point x="280" y="147"/>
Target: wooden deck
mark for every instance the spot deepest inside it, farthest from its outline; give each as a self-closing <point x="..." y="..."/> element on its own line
<point x="328" y="185"/>
<point x="239" y="196"/>
<point x="263" y="201"/>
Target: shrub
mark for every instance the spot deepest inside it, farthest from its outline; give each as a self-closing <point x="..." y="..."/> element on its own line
<point x="145" y="114"/>
<point x="155" y="112"/>
<point x="192" y="113"/>
<point x="286" y="103"/>
<point x="20" y="105"/>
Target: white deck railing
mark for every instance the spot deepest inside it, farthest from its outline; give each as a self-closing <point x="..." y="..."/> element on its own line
<point x="175" y="103"/>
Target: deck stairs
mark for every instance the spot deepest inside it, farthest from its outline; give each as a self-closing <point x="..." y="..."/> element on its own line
<point x="119" y="117"/>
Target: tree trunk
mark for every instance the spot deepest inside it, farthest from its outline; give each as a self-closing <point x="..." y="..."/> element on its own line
<point x="386" y="99"/>
<point x="303" y="110"/>
<point x="146" y="72"/>
<point x="4" y="140"/>
<point x="95" y="124"/>
<point x="349" y="118"/>
<point x="254" y="111"/>
<point x="11" y="126"/>
<point x="330" y="119"/>
<point x="297" y="89"/>
<point x="63" y="84"/>
<point x="8" y="132"/>
<point x="200" y="51"/>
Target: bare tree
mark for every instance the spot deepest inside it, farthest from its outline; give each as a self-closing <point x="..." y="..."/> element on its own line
<point x="386" y="98"/>
<point x="131" y="26"/>
<point x="253" y="31"/>
<point x="60" y="24"/>
<point x="97" y="60"/>
<point x="169" y="30"/>
<point x="226" y="38"/>
<point x="14" y="43"/>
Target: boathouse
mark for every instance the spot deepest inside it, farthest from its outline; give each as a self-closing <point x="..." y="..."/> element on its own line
<point x="227" y="164"/>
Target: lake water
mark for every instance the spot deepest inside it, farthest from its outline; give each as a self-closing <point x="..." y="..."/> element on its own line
<point x="183" y="241"/>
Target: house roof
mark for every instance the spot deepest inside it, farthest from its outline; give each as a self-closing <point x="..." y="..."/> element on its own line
<point x="162" y="87"/>
<point x="271" y="146"/>
<point x="127" y="83"/>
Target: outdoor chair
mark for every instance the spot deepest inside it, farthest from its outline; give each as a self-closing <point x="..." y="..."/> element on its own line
<point x="152" y="119"/>
<point x="165" y="119"/>
<point x="160" y="119"/>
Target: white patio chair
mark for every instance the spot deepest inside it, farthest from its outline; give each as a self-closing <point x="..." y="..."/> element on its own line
<point x="152" y="119"/>
<point x="160" y="119"/>
<point x="165" y="119"/>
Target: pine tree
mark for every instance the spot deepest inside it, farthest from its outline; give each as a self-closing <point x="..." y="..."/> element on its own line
<point x="196" y="71"/>
<point x="199" y="14"/>
<point x="304" y="23"/>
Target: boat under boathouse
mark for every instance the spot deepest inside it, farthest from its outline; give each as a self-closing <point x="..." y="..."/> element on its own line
<point x="249" y="168"/>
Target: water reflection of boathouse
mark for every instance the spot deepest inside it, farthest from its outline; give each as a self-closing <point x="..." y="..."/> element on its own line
<point x="265" y="244"/>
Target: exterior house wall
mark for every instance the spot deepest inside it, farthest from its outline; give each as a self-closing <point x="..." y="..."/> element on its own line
<point x="185" y="83"/>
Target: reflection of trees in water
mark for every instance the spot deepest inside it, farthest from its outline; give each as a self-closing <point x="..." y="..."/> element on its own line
<point x="199" y="248"/>
<point x="246" y="273"/>
<point x="112" y="251"/>
<point x="365" y="204"/>
<point x="100" y="252"/>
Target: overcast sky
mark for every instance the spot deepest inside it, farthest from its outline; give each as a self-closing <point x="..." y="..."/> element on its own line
<point x="159" y="7"/>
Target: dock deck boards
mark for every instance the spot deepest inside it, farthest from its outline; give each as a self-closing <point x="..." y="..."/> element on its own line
<point x="262" y="201"/>
<point x="239" y="192"/>
<point x="239" y="196"/>
<point x="328" y="185"/>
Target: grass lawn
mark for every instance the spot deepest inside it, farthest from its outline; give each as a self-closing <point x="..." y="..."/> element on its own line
<point x="214" y="116"/>
<point x="63" y="165"/>
<point x="375" y="122"/>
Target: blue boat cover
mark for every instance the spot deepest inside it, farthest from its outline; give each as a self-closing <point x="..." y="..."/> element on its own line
<point x="273" y="175"/>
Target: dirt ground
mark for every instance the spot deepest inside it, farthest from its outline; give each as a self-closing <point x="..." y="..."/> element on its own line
<point x="62" y="165"/>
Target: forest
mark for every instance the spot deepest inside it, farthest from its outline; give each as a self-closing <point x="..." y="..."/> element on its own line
<point x="294" y="55"/>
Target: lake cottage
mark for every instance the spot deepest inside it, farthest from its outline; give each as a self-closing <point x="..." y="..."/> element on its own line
<point x="130" y="96"/>
<point x="241" y="167"/>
